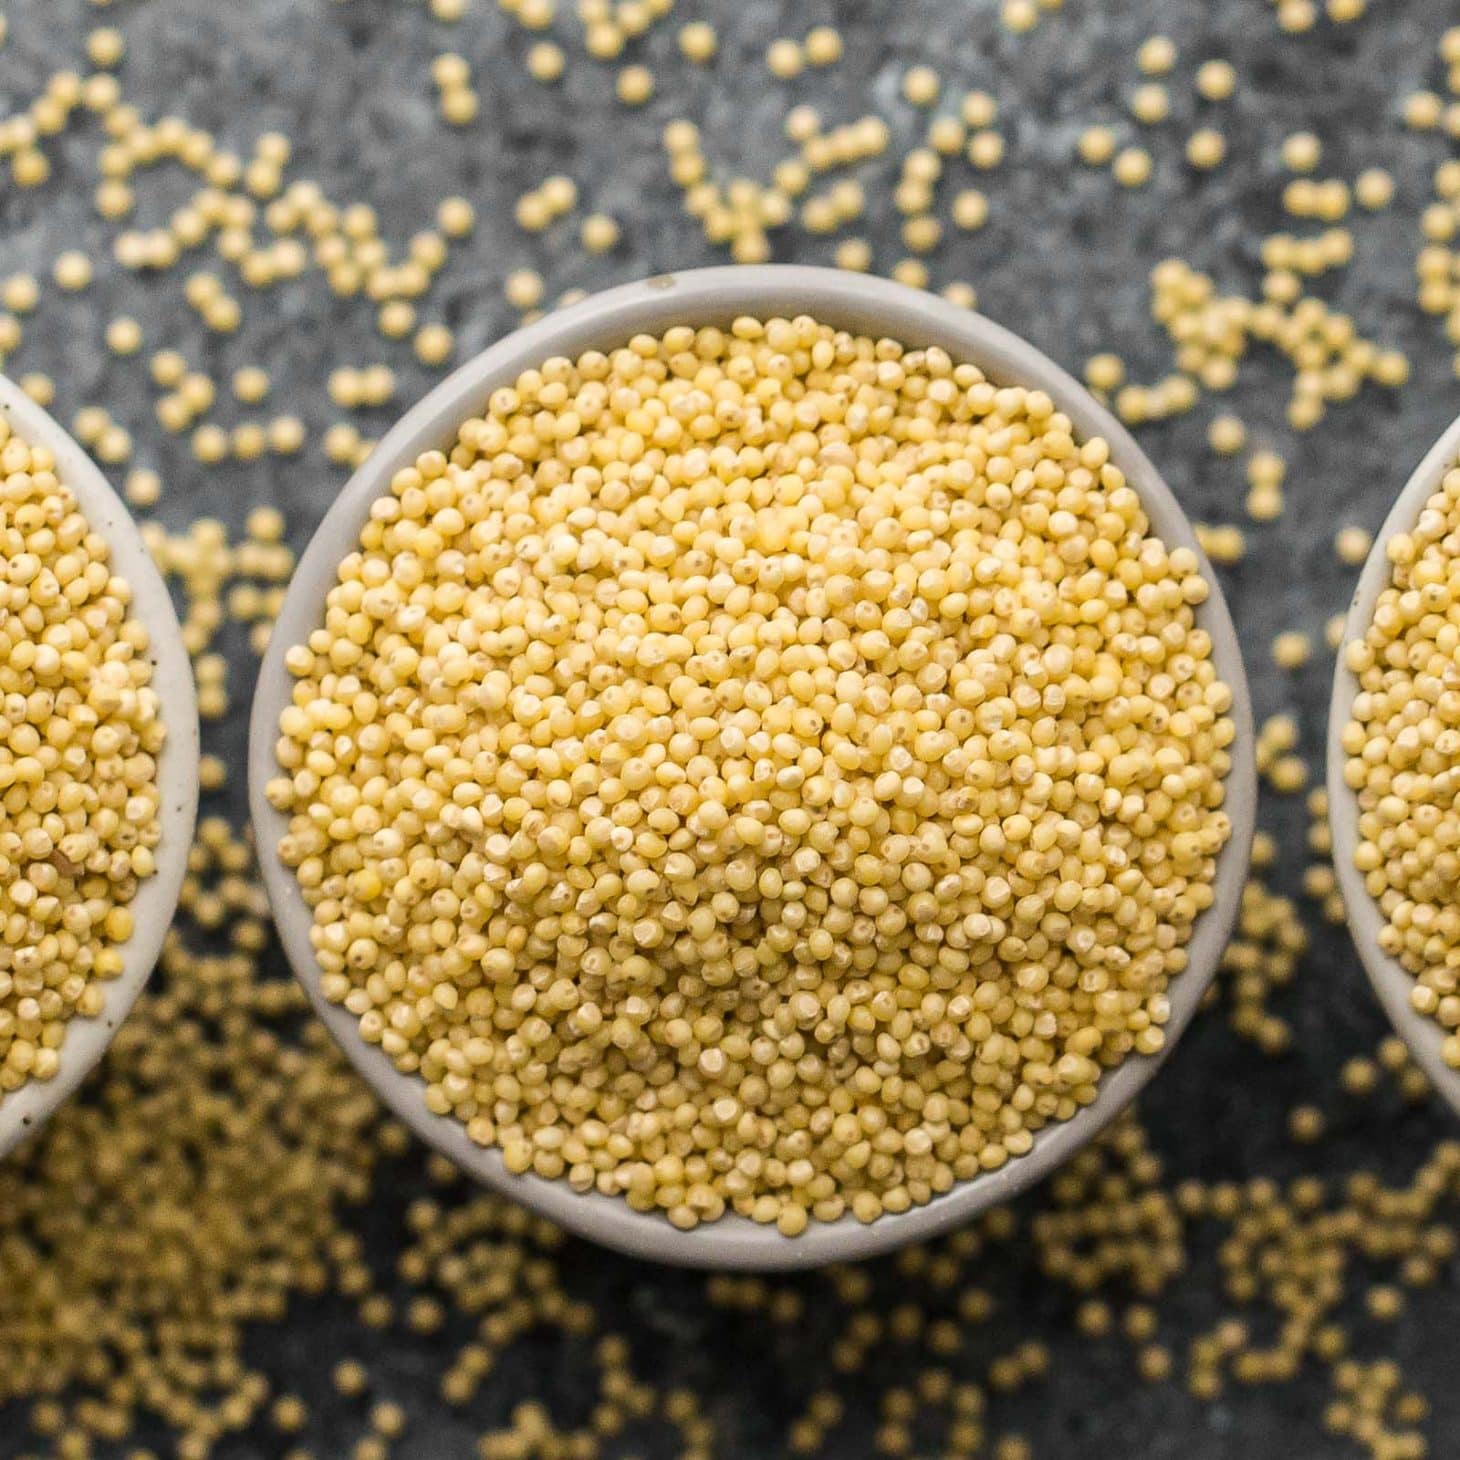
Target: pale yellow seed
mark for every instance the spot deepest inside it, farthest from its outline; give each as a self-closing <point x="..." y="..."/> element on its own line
<point x="456" y="217"/>
<point x="599" y="233"/>
<point x="970" y="210"/>
<point x="1374" y="189"/>
<point x="1132" y="167"/>
<point x="635" y="85"/>
<point x="546" y="62"/>
<point x="523" y="288"/>
<point x="823" y="46"/>
<point x="20" y="293"/>
<point x="250" y="384"/>
<point x="1206" y="148"/>
<point x="105" y="47"/>
<point x="1301" y="152"/>
<point x="1226" y="435"/>
<point x="1291" y="649"/>
<point x="1150" y="103"/>
<point x="1096" y="145"/>
<point x="434" y="344"/>
<point x="72" y="270"/>
<point x="459" y="106"/>
<point x="142" y="488"/>
<point x="698" y="42"/>
<point x="124" y="336"/>
<point x="1352" y="545"/>
<point x="1216" y="80"/>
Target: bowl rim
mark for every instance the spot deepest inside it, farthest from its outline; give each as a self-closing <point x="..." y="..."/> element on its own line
<point x="716" y="295"/>
<point x="24" y="1111"/>
<point x="1389" y="979"/>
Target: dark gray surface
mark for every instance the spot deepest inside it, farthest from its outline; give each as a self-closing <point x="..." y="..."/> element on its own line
<point x="1064" y="261"/>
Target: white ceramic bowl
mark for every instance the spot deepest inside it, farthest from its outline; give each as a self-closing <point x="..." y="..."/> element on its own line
<point x="716" y="296"/>
<point x="24" y="1111"/>
<point x="1392" y="982"/>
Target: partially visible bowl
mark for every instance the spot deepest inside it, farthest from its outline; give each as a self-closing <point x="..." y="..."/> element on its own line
<point x="716" y="296"/>
<point x="1391" y="980"/>
<point x="24" y="1111"/>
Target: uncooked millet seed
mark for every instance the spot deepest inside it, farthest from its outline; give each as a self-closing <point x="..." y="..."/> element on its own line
<point x="1156" y="55"/>
<point x="1291" y="649"/>
<point x="1403" y="764"/>
<point x="546" y="62"/>
<point x="1132" y="167"/>
<point x="784" y="59"/>
<point x="920" y="85"/>
<point x="774" y="820"/>
<point x="1206" y="148"/>
<point x="698" y="42"/>
<point x="72" y="270"/>
<point x="78" y="784"/>
<point x="1097" y="145"/>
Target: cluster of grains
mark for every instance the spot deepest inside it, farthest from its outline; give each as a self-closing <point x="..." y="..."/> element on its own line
<point x="154" y="1231"/>
<point x="1403" y="747"/>
<point x="80" y="731"/>
<point x="243" y="583"/>
<point x="1263" y="955"/>
<point x="771" y="770"/>
<point x="271" y="232"/>
<point x="1278" y="760"/>
<point x="743" y="212"/>
<point x="149" y="1227"/>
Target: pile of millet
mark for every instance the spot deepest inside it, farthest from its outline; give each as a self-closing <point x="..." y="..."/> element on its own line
<point x="1403" y="747"/>
<point x="764" y="769"/>
<point x="80" y="732"/>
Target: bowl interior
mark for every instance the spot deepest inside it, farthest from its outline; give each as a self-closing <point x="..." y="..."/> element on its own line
<point x="1391" y="981"/>
<point x="24" y="1111"/>
<point x="716" y="296"/>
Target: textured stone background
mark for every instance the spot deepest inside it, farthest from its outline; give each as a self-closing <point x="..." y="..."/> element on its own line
<point x="1064" y="261"/>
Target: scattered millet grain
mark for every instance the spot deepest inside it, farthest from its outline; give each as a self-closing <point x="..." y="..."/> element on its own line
<point x="698" y="42"/>
<point x="1150" y="103"/>
<point x="784" y="59"/>
<point x="1226" y="435"/>
<point x="1352" y="545"/>
<point x="823" y="46"/>
<point x="1132" y="167"/>
<point x="921" y="85"/>
<point x="72" y="270"/>
<point x="124" y="336"/>
<point x="1374" y="189"/>
<point x="690" y="839"/>
<point x="546" y="62"/>
<point x="1095" y="145"/>
<point x="1291" y="649"/>
<point x="78" y="775"/>
<point x="1206" y="148"/>
<point x="635" y="85"/>
<point x="1216" y="80"/>
<point x="970" y="210"/>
